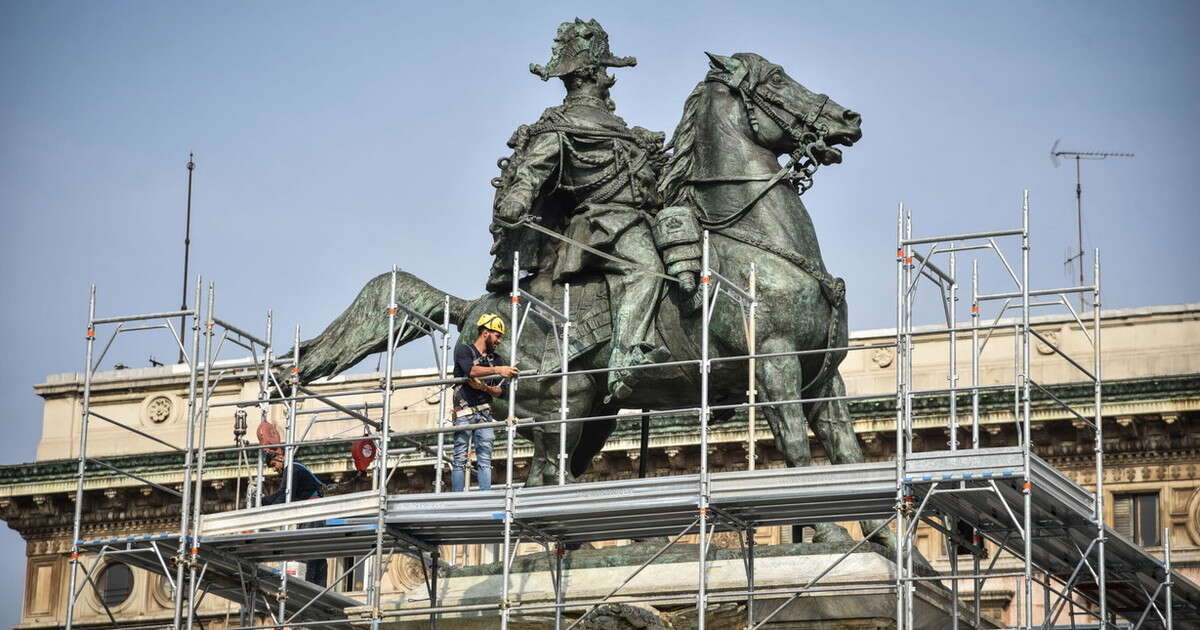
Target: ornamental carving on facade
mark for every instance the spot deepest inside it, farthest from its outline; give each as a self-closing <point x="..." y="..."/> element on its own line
<point x="883" y="357"/>
<point x="159" y="409"/>
<point x="1041" y="346"/>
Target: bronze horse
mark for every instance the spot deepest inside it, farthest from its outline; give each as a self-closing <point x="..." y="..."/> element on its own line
<point x="724" y="164"/>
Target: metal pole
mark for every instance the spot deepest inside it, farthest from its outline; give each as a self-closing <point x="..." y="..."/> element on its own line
<point x="198" y="493"/>
<point x="909" y="613"/>
<point x="750" y="553"/>
<point x="264" y="394"/>
<point x="1097" y="348"/>
<point x="974" y="354"/>
<point x="952" y="555"/>
<point x="752" y="392"/>
<point x="375" y="595"/>
<point x="951" y="308"/>
<point x="559" y="595"/>
<point x="511" y="420"/>
<point x="81" y="468"/>
<point x="1169" y="577"/>
<point x="1027" y="487"/>
<point x="185" y="500"/>
<point x="977" y="584"/>
<point x="562" y="413"/>
<point x="187" y="244"/>
<point x="435" y="560"/>
<point x="289" y="456"/>
<point x="1079" y="224"/>
<point x="901" y="536"/>
<point x="702" y="500"/>
<point x="443" y="407"/>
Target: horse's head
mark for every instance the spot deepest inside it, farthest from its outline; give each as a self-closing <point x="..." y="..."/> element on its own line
<point x="786" y="117"/>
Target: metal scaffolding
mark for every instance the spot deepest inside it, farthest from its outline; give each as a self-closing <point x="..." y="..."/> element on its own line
<point x="987" y="501"/>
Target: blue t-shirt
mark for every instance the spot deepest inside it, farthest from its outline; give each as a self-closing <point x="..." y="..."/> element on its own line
<point x="306" y="484"/>
<point x="465" y="357"/>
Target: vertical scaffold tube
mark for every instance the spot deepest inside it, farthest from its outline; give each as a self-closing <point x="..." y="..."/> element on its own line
<point x="750" y="575"/>
<point x="901" y="532"/>
<point x="1169" y="579"/>
<point x="702" y="500"/>
<point x="201" y="455"/>
<point x="562" y="408"/>
<point x="559" y="585"/>
<point x="1098" y="419"/>
<point x="188" y="461"/>
<point x="76" y="528"/>
<point x="375" y="596"/>
<point x="974" y="354"/>
<point x="510" y="421"/>
<point x="909" y="586"/>
<point x="1027" y="487"/>
<point x="289" y="456"/>
<point x="952" y="376"/>
<point x="752" y="391"/>
<point x="264" y="408"/>
<point x="952" y="309"/>
<point x="443" y="394"/>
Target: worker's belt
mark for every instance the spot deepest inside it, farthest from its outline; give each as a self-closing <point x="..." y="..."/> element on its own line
<point x="473" y="410"/>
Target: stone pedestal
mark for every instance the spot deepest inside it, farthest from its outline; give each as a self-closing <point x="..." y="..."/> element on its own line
<point x="855" y="595"/>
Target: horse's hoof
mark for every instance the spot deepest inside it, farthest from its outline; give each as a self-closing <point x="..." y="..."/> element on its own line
<point x="831" y="533"/>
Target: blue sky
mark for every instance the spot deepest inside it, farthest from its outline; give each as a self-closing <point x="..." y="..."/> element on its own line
<point x="334" y="140"/>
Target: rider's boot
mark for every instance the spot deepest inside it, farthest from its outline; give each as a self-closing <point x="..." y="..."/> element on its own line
<point x="621" y="383"/>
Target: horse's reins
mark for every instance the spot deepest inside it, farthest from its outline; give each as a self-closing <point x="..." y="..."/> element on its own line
<point x="801" y="161"/>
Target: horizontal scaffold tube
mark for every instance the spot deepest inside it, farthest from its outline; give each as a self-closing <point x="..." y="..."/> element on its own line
<point x="961" y="237"/>
<point x="143" y="317"/>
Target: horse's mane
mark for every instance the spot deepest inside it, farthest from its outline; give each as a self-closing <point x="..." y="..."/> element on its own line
<point x="673" y="186"/>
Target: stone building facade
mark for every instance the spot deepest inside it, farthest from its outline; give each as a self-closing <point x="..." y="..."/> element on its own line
<point x="1151" y="411"/>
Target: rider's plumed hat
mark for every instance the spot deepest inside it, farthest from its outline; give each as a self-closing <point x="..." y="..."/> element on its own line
<point x="579" y="45"/>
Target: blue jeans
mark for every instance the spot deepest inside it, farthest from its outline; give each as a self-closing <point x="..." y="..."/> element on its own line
<point x="483" y="439"/>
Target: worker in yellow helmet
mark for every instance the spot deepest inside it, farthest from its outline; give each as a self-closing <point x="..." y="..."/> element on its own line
<point x="472" y="399"/>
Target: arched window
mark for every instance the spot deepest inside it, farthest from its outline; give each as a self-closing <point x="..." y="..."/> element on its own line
<point x="115" y="584"/>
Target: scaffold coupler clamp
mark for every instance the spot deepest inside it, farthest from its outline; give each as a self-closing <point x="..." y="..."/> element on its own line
<point x="905" y="507"/>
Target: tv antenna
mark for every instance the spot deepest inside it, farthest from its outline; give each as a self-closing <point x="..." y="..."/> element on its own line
<point x="1078" y="156"/>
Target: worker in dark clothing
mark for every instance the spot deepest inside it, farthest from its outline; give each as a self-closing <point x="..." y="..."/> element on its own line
<point x="305" y="485"/>
<point x="472" y="400"/>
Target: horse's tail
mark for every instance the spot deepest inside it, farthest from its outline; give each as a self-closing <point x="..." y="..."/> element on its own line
<point x="362" y="329"/>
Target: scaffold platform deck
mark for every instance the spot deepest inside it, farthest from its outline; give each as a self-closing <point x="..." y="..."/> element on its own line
<point x="659" y="506"/>
<point x="238" y="578"/>
<point x="1063" y="525"/>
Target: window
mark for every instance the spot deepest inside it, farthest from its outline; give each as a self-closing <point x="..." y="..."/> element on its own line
<point x="356" y="579"/>
<point x="115" y="584"/>
<point x="1136" y="517"/>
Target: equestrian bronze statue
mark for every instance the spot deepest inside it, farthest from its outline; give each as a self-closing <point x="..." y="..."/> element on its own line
<point x="589" y="201"/>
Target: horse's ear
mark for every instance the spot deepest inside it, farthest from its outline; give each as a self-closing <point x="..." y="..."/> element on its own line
<point x="721" y="63"/>
<point x="727" y="70"/>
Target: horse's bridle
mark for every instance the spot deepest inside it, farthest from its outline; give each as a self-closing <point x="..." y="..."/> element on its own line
<point x="801" y="165"/>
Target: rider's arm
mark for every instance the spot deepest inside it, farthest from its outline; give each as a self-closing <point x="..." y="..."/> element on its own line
<point x="539" y="161"/>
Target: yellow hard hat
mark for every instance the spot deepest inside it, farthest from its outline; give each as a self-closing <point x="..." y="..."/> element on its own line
<point x="491" y="321"/>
